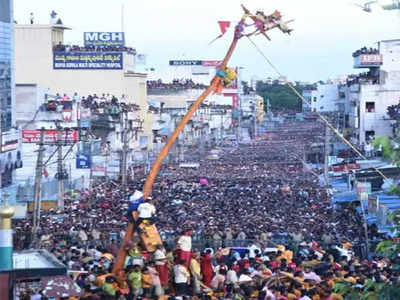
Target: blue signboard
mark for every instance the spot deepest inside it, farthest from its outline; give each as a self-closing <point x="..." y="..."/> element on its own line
<point x="88" y="60"/>
<point x="104" y="39"/>
<point x="83" y="161"/>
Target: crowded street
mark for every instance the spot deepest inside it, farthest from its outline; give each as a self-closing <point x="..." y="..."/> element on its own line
<point x="207" y="152"/>
<point x="253" y="215"/>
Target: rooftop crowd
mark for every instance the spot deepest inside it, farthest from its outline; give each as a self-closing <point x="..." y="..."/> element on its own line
<point x="268" y="229"/>
<point x="175" y="84"/>
<point x="365" y="50"/>
<point x="102" y="104"/>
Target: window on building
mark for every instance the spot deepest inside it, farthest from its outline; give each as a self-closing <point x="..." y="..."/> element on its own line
<point x="315" y="99"/>
<point x="370" y="107"/>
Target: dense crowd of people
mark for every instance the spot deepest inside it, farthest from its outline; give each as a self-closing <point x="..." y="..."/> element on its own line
<point x="254" y="224"/>
<point x="176" y="84"/>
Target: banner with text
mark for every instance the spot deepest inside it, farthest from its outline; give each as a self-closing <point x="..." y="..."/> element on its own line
<point x="88" y="60"/>
<point x="104" y="39"/>
<point x="50" y="136"/>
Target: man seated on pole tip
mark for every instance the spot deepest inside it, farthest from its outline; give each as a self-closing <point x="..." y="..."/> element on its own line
<point x="146" y="212"/>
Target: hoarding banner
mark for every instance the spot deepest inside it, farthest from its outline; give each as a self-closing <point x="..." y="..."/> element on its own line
<point x="98" y="166"/>
<point x="10" y="140"/>
<point x="50" y="136"/>
<point x="211" y="63"/>
<point x="10" y="160"/>
<point x="368" y="59"/>
<point x="185" y="62"/>
<point x="203" y="63"/>
<point x="104" y="38"/>
<point x="88" y="60"/>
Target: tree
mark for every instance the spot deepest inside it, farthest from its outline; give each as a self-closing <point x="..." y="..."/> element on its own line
<point x="280" y="96"/>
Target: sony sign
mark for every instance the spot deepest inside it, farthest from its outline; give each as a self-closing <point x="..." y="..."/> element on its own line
<point x="104" y="38"/>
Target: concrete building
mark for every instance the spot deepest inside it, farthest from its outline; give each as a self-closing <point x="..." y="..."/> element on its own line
<point x="10" y="155"/>
<point x="369" y="94"/>
<point x="208" y="125"/>
<point x="324" y="98"/>
<point x="42" y="58"/>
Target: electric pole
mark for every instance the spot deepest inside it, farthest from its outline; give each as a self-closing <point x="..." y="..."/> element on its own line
<point x="38" y="182"/>
<point x="60" y="173"/>
<point x="125" y="148"/>
<point x="326" y="152"/>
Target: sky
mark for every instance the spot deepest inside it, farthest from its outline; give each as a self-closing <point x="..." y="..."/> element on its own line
<point x="325" y="32"/>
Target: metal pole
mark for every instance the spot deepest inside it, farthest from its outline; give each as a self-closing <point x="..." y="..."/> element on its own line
<point x="60" y="173"/>
<point x="362" y="197"/>
<point x="124" y="150"/>
<point x="38" y="182"/>
<point x="326" y="155"/>
<point x="91" y="165"/>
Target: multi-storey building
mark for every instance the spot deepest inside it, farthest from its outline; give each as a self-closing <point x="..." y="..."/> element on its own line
<point x="369" y="94"/>
<point x="10" y="156"/>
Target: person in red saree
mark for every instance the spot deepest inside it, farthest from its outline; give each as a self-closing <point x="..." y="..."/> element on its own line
<point x="207" y="270"/>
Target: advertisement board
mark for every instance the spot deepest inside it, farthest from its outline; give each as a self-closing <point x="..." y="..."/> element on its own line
<point x="104" y="39"/>
<point x="98" y="166"/>
<point x="50" y="136"/>
<point x="185" y="62"/>
<point x="10" y="140"/>
<point x="364" y="60"/>
<point x="88" y="60"/>
<point x="10" y="160"/>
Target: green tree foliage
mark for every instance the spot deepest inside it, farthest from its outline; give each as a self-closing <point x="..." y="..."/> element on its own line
<point x="280" y="96"/>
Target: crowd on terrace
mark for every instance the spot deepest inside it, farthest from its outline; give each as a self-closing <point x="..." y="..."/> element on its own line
<point x="104" y="104"/>
<point x="365" y="50"/>
<point x="362" y="78"/>
<point x="176" y="84"/>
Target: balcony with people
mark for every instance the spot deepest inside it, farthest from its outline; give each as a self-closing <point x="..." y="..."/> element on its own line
<point x="367" y="58"/>
<point x="157" y="87"/>
<point x="106" y="104"/>
<point x="366" y="78"/>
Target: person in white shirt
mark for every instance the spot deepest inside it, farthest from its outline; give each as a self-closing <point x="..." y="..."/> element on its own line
<point x="146" y="211"/>
<point x="231" y="278"/>
<point x="184" y="246"/>
<point x="245" y="278"/>
<point x="252" y="250"/>
<point x="160" y="258"/>
<point x="182" y="277"/>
